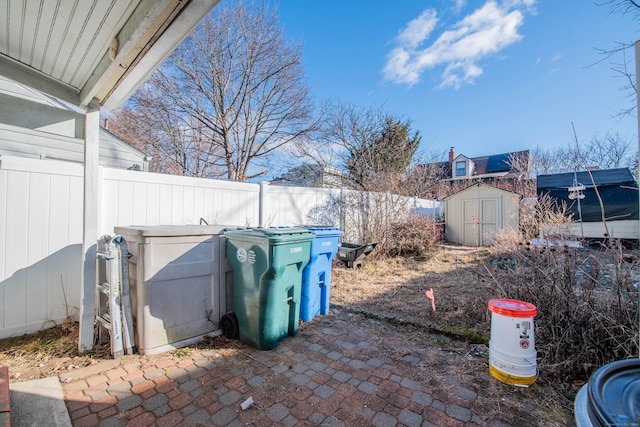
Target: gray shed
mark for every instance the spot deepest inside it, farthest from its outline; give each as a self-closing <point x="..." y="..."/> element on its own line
<point x="475" y="214"/>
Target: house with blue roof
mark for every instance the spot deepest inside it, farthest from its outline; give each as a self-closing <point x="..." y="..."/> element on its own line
<point x="507" y="171"/>
<point x="514" y="165"/>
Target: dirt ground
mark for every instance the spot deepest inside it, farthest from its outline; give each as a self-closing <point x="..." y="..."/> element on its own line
<point x="389" y="294"/>
<point x="398" y="287"/>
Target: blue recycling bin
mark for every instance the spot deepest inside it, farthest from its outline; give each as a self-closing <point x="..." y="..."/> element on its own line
<point x="316" y="276"/>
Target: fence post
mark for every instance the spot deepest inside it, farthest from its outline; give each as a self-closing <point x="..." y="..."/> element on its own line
<point x="341" y="212"/>
<point x="263" y="215"/>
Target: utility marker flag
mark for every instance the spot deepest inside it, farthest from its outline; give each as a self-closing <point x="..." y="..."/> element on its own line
<point x="429" y="295"/>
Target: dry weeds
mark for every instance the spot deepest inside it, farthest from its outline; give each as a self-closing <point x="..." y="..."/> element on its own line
<point x="47" y="353"/>
<point x="397" y="287"/>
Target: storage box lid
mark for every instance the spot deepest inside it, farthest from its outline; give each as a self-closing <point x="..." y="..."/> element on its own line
<point x="171" y="230"/>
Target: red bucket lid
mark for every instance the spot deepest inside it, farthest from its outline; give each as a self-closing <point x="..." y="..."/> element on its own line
<point x="512" y="308"/>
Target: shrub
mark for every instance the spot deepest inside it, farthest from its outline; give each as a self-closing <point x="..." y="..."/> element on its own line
<point x="417" y="235"/>
<point x="587" y="304"/>
<point x="586" y="299"/>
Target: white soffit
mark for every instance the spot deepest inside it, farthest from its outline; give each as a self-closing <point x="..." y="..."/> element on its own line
<point x="78" y="50"/>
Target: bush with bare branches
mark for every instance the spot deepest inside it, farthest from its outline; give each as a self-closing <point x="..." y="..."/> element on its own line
<point x="587" y="305"/>
<point x="587" y="299"/>
<point x="416" y="235"/>
<point x="545" y="217"/>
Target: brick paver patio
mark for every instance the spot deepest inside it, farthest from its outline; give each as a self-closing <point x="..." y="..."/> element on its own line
<point x="334" y="373"/>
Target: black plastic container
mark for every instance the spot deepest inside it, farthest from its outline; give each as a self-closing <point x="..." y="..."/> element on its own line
<point x="611" y="397"/>
<point x="353" y="254"/>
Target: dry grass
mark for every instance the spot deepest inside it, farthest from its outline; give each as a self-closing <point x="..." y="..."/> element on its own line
<point x="398" y="286"/>
<point x="391" y="294"/>
<point x="587" y="303"/>
<point x="46" y="353"/>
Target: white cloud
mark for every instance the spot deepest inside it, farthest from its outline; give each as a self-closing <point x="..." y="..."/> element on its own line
<point x="459" y="5"/>
<point x="459" y="49"/>
<point x="556" y="57"/>
<point x="418" y="29"/>
<point x="457" y="74"/>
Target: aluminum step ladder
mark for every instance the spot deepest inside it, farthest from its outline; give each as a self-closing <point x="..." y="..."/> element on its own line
<point x="113" y="306"/>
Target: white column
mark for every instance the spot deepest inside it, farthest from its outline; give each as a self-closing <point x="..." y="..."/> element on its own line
<point x="90" y="226"/>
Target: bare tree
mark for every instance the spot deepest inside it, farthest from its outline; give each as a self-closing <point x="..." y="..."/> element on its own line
<point x="424" y="179"/>
<point x="545" y="161"/>
<point x="624" y="67"/>
<point x="519" y="178"/>
<point x="177" y="144"/>
<point x="611" y="151"/>
<point x="231" y="94"/>
<point x="375" y="148"/>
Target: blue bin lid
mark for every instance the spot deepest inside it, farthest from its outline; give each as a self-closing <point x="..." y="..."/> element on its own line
<point x="317" y="230"/>
<point x="324" y="231"/>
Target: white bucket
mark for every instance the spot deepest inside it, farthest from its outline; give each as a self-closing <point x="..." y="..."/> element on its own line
<point x="512" y="352"/>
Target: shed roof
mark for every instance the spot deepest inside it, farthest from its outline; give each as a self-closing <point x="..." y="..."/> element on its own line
<point x="479" y="184"/>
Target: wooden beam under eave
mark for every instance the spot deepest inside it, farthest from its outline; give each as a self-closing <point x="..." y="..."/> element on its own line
<point x="132" y="40"/>
<point x="171" y="37"/>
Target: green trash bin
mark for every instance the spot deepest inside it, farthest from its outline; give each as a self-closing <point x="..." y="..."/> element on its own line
<point x="267" y="276"/>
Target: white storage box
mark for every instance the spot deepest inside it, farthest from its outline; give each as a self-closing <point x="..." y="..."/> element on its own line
<point x="180" y="283"/>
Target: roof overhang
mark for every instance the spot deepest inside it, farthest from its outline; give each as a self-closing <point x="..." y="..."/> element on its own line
<point x="80" y="51"/>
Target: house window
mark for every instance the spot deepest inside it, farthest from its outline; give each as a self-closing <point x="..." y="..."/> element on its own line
<point x="461" y="168"/>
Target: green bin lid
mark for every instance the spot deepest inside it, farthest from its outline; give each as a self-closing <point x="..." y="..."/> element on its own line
<point x="275" y="236"/>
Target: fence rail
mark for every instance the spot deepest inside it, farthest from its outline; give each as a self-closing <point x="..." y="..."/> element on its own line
<point x="41" y="224"/>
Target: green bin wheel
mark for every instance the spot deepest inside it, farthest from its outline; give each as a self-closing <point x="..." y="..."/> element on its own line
<point x="229" y="325"/>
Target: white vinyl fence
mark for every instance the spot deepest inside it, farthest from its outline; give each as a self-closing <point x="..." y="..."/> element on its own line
<point x="41" y="224"/>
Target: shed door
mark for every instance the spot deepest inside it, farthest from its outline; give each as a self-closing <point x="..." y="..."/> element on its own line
<point x="480" y="221"/>
<point x="488" y="221"/>
<point x="470" y="227"/>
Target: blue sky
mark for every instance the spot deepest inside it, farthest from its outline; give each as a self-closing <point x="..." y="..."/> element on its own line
<point x="485" y="77"/>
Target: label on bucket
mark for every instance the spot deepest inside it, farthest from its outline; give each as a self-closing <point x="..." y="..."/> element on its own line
<point x="524" y="327"/>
